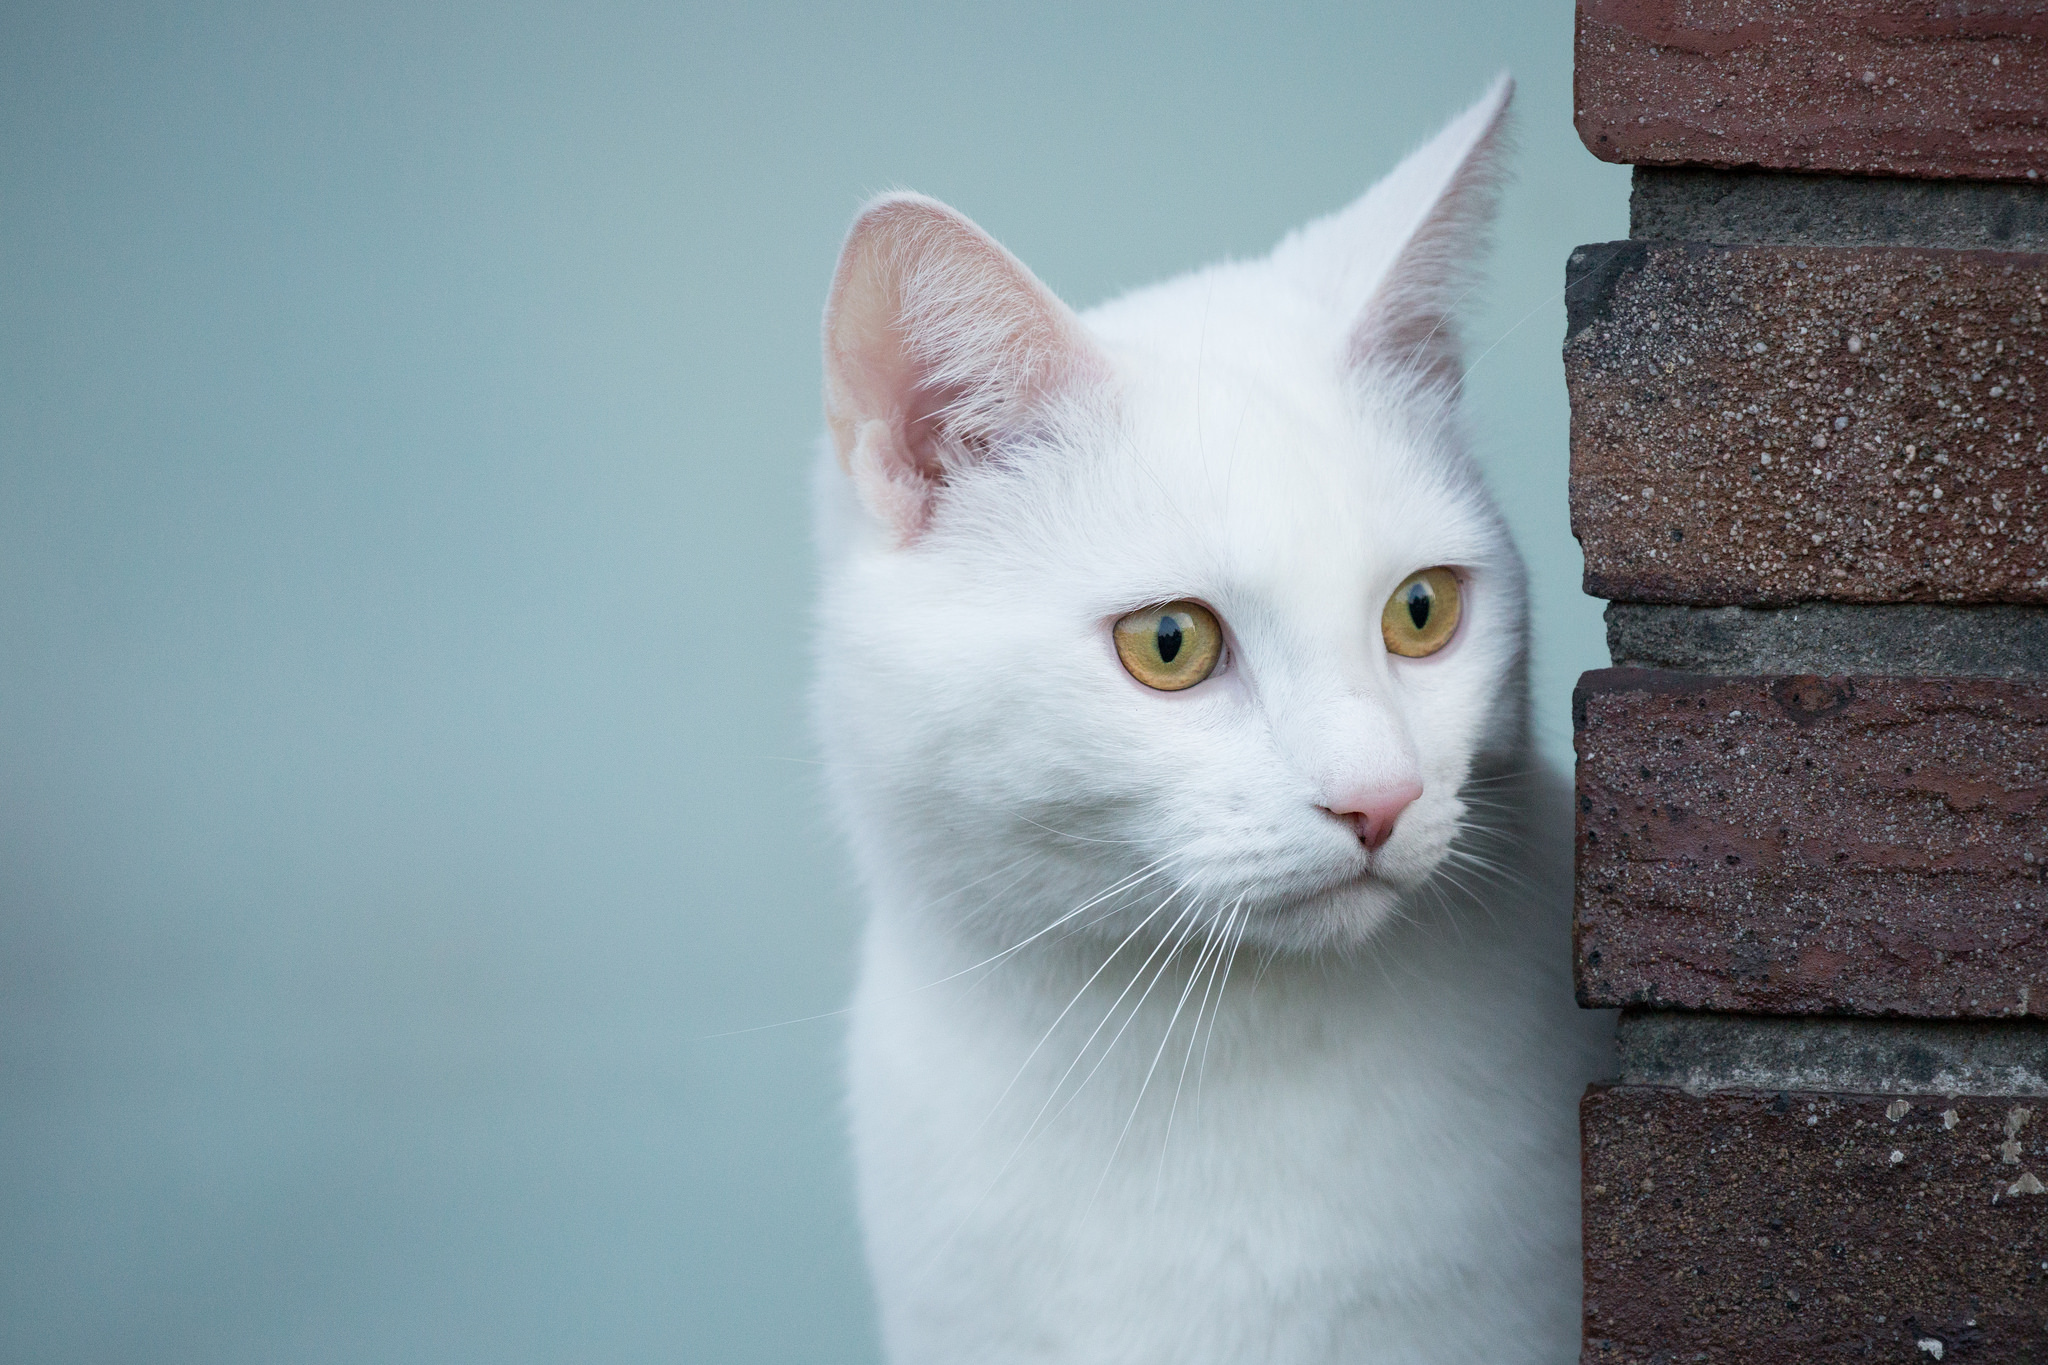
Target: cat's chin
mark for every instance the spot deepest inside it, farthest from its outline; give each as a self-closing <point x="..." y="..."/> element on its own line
<point x="1347" y="913"/>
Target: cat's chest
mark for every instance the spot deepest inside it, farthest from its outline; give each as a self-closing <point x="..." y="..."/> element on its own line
<point x="1289" y="1117"/>
<point x="1294" y="1166"/>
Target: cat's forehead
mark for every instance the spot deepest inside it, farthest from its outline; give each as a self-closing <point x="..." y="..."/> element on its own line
<point x="1238" y="427"/>
<point x="1248" y="318"/>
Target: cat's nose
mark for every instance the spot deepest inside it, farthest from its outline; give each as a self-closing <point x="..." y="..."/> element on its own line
<point x="1372" y="813"/>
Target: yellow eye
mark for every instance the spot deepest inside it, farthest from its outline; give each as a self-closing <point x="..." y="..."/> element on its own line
<point x="1170" y="647"/>
<point x="1422" y="615"/>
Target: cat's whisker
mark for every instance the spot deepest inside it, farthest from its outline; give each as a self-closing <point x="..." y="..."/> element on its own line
<point x="1495" y="778"/>
<point x="1503" y="833"/>
<point x="1498" y="874"/>
<point x="780" y="1023"/>
<point x="1375" y="952"/>
<point x="847" y="1009"/>
<point x="1443" y="401"/>
<point x="1493" y="787"/>
<point x="1437" y="890"/>
<point x="1171" y="941"/>
<point x="1461" y="859"/>
<point x="1486" y="801"/>
<point x="1441" y="886"/>
<point x="1158" y="974"/>
<point x="1051" y="1029"/>
<point x="1590" y="276"/>
<point x="1434" y="887"/>
<point x="1486" y="904"/>
<point x="1221" y="992"/>
<point x="1266" y="957"/>
<point x="1034" y="1127"/>
<point x="1079" y="929"/>
<point x="1494" y="792"/>
<point x="1506" y="868"/>
<point x="967" y="1218"/>
<point x="1194" y="1036"/>
<point x="1210" y="940"/>
<point x="1466" y="853"/>
<point x="1065" y="834"/>
<point x="1124" y="884"/>
<point x="936" y="901"/>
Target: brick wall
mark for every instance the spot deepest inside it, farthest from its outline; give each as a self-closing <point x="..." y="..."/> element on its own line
<point x="1810" y="472"/>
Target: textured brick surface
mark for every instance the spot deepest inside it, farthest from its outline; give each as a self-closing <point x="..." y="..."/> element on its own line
<point x="1812" y="1227"/>
<point x="1881" y="87"/>
<point x="1812" y="845"/>
<point x="1766" y="425"/>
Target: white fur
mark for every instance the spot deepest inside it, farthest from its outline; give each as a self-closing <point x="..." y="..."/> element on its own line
<point x="1151" y="1059"/>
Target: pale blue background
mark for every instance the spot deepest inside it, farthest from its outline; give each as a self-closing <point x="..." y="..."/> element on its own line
<point x="404" y="416"/>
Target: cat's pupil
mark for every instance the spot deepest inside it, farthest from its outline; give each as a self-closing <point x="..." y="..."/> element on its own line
<point x="1169" y="638"/>
<point x="1418" y="605"/>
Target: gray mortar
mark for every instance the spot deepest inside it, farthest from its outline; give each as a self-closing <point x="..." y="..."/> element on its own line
<point x="1705" y="1052"/>
<point x="1781" y="208"/>
<point x="1904" y="639"/>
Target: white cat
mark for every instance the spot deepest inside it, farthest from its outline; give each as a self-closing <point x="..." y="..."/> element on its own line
<point x="1214" y="1004"/>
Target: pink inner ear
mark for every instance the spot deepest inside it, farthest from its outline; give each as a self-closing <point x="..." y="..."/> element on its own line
<point x="1409" y="327"/>
<point x="936" y="425"/>
<point x="880" y="382"/>
<point x="1396" y="262"/>
<point x="1422" y="345"/>
<point x="937" y="342"/>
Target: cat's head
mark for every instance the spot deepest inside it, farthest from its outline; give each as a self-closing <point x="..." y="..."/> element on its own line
<point x="1270" y="452"/>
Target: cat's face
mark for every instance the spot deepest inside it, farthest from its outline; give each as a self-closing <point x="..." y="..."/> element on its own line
<point x="1273" y="442"/>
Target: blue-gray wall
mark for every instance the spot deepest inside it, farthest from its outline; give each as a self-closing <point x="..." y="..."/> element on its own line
<point x="404" y="416"/>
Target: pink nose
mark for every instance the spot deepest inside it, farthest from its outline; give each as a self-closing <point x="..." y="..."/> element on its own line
<point x="1373" y="813"/>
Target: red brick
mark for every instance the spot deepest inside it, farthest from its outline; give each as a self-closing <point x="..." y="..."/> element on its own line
<point x="1812" y="845"/>
<point x="1875" y="87"/>
<point x="1803" y="1227"/>
<point x="1765" y="425"/>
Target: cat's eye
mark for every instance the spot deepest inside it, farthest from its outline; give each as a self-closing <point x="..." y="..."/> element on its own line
<point x="1170" y="647"/>
<point x="1422" y="615"/>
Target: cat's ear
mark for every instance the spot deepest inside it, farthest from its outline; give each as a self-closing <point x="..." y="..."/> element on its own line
<point x="938" y="344"/>
<point x="1398" y="261"/>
